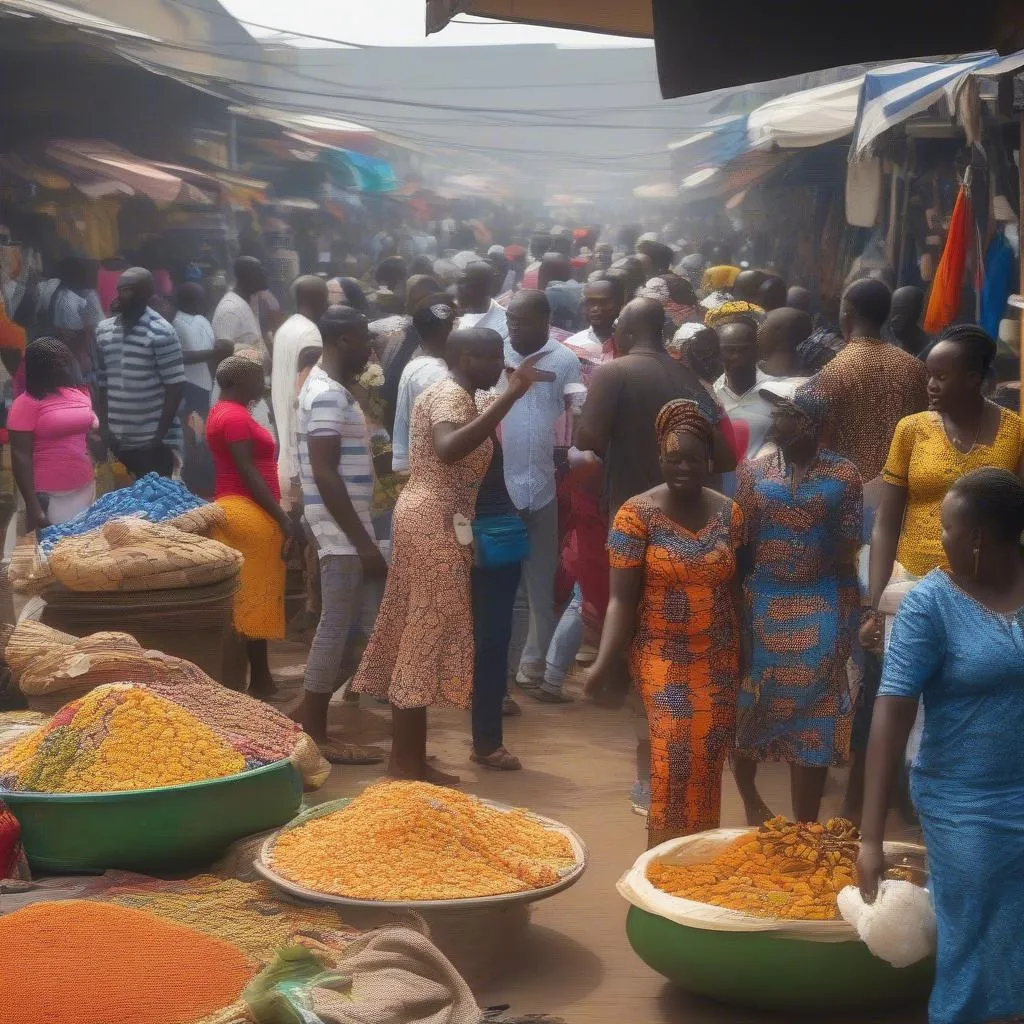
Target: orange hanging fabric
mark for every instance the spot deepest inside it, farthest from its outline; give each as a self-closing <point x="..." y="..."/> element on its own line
<point x="947" y="288"/>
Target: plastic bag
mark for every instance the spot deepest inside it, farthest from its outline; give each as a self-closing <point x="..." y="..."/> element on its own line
<point x="899" y="927"/>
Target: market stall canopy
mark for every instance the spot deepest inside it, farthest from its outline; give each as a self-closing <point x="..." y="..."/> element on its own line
<point x="98" y="157"/>
<point x="702" y="47"/>
<point x="722" y="140"/>
<point x="804" y="119"/>
<point x="614" y="17"/>
<point x="892" y="95"/>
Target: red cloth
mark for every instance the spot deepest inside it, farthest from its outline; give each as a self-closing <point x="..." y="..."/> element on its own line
<point x="12" y="856"/>
<point x="947" y="288"/>
<point x="737" y="436"/>
<point x="584" y="551"/>
<point x="228" y="423"/>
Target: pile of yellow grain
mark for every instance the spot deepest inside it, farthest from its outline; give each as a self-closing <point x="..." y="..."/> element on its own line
<point x="783" y="870"/>
<point x="413" y="841"/>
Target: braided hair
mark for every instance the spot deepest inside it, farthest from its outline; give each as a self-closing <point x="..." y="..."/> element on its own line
<point x="977" y="349"/>
<point x="236" y="370"/>
<point x="995" y="502"/>
<point x="49" y="366"/>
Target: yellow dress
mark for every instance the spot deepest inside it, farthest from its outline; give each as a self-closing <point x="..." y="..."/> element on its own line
<point x="924" y="462"/>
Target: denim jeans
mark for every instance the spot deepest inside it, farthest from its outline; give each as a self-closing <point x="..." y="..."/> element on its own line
<point x="565" y="644"/>
<point x="494" y="594"/>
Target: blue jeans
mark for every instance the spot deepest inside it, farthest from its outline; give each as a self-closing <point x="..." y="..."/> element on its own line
<point x="565" y="644"/>
<point x="494" y="594"/>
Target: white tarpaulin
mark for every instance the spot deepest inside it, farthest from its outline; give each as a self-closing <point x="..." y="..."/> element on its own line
<point x="804" y="119"/>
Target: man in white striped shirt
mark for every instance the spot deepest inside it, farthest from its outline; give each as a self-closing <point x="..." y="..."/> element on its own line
<point x="140" y="380"/>
<point x="336" y="470"/>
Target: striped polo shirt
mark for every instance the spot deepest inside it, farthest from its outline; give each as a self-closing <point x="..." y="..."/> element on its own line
<point x="135" y="369"/>
<point x="327" y="409"/>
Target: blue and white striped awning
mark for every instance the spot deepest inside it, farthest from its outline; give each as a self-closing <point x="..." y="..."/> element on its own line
<point x="895" y="93"/>
<point x="715" y="145"/>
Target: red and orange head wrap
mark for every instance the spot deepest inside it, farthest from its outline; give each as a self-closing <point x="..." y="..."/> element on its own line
<point x="681" y="416"/>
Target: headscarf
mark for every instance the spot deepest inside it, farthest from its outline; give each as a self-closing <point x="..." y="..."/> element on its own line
<point x="707" y="366"/>
<point x="681" y="416"/>
<point x="736" y="310"/>
<point x="692" y="268"/>
<point x="718" y="278"/>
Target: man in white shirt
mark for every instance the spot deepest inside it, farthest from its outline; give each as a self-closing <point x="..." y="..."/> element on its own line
<point x="200" y="356"/>
<point x="298" y="332"/>
<point x="738" y="388"/>
<point x="433" y="322"/>
<point x="602" y="303"/>
<point x="475" y="302"/>
<point x="527" y="436"/>
<point x="235" y="321"/>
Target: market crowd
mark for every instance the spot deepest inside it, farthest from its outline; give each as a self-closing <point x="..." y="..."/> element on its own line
<point x="788" y="539"/>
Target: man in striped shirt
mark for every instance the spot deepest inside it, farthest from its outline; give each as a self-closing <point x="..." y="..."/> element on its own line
<point x="140" y="380"/>
<point x="336" y="470"/>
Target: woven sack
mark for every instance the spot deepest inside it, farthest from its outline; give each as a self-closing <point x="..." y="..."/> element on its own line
<point x="28" y="570"/>
<point x="133" y="554"/>
<point x="27" y="641"/>
<point x="64" y="674"/>
<point x="202" y="519"/>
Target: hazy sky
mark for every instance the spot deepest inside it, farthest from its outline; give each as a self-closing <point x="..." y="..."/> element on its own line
<point x="397" y="23"/>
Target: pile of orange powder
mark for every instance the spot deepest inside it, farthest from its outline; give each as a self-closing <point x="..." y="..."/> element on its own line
<point x="79" y="962"/>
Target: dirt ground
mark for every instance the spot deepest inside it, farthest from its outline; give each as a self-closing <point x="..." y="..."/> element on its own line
<point x="569" y="955"/>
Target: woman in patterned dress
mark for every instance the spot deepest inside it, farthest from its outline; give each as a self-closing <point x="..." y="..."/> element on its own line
<point x="673" y="603"/>
<point x="803" y="508"/>
<point x="421" y="651"/>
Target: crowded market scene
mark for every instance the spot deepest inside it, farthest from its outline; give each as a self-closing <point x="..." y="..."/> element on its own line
<point x="523" y="528"/>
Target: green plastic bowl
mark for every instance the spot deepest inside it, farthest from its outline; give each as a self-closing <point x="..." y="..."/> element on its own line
<point x="153" y="830"/>
<point x="759" y="970"/>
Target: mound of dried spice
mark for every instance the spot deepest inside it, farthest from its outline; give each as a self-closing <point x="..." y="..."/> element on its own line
<point x="78" y="962"/>
<point x="413" y="841"/>
<point x="785" y="869"/>
<point x="117" y="737"/>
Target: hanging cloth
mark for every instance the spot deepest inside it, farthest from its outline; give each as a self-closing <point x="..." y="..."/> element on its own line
<point x="947" y="289"/>
<point x="1000" y="267"/>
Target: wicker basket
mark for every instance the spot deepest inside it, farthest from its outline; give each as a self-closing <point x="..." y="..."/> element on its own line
<point x="191" y="623"/>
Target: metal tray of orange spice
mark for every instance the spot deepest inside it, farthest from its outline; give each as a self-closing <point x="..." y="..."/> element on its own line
<point x="567" y="872"/>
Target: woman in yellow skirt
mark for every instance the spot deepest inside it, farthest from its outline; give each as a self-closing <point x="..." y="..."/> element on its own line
<point x="247" y="489"/>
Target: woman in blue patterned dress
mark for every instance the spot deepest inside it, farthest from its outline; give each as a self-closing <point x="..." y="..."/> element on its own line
<point x="803" y="508"/>
<point x="958" y="642"/>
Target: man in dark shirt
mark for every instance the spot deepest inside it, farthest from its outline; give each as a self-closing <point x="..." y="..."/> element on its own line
<point x="624" y="399"/>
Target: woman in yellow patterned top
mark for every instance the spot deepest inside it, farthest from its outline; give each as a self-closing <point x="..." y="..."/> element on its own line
<point x="961" y="431"/>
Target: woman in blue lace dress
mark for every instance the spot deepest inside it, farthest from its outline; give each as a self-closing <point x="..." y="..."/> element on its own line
<point x="958" y="642"/>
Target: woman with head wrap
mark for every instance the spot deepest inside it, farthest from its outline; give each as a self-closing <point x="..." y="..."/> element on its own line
<point x="675" y="547"/>
<point x="803" y="508"/>
<point x="247" y="488"/>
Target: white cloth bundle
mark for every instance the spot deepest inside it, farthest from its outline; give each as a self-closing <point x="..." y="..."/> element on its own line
<point x="899" y="927"/>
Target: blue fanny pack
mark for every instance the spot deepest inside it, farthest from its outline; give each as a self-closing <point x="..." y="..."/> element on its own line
<point x="498" y="541"/>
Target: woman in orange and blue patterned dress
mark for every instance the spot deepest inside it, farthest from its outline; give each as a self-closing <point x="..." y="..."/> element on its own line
<point x="803" y="506"/>
<point x="674" y="605"/>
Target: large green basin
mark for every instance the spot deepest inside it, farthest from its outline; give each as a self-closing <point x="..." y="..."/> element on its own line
<point x="758" y="970"/>
<point x="153" y="830"/>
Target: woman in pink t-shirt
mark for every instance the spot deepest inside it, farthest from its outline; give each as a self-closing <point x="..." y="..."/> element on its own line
<point x="49" y="425"/>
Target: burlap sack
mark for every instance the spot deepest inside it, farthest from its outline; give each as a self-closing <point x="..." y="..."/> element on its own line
<point x="202" y="519"/>
<point x="133" y="554"/>
<point x="28" y="570"/>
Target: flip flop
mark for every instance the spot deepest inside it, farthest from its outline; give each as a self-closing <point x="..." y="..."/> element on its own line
<point x="499" y="760"/>
<point x="351" y="753"/>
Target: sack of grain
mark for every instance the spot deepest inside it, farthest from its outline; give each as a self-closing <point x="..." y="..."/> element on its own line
<point x="133" y="554"/>
<point x="28" y="570"/>
<point x="202" y="519"/>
